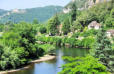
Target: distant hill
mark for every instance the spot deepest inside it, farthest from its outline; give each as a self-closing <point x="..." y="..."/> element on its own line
<point x="28" y="15"/>
<point x="2" y="12"/>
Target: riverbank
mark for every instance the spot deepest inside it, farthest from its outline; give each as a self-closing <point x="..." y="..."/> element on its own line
<point x="41" y="59"/>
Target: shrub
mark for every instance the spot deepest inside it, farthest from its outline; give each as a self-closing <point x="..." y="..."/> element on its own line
<point x="83" y="65"/>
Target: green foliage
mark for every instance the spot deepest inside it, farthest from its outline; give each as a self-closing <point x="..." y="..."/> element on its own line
<point x="78" y="3"/>
<point x="9" y="59"/>
<point x="88" y="42"/>
<point x="73" y="42"/>
<point x="110" y="20"/>
<point x="102" y="50"/>
<point x="43" y="30"/>
<point x="73" y="12"/>
<point x="18" y="46"/>
<point x="53" y="25"/>
<point x="46" y="47"/>
<point x="10" y="39"/>
<point x="83" y="65"/>
<point x="91" y="32"/>
<point x="35" y="21"/>
<point x="66" y="26"/>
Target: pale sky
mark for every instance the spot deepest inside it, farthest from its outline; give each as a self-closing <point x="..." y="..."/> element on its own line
<point x="22" y="4"/>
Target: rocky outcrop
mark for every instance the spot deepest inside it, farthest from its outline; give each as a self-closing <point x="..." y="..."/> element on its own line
<point x="85" y="4"/>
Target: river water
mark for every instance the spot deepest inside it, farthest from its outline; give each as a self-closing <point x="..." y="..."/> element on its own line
<point x="53" y="66"/>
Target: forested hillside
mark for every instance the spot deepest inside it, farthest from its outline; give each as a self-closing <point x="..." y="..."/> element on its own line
<point x="28" y="15"/>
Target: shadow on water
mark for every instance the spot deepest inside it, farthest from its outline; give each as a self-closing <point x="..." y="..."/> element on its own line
<point x="53" y="66"/>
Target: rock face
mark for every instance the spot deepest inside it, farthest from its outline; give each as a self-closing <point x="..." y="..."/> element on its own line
<point x="90" y="3"/>
<point x="83" y="4"/>
<point x="100" y="1"/>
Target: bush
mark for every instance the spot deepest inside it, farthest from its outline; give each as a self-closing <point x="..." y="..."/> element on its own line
<point x="88" y="42"/>
<point x="91" y="32"/>
<point x="83" y="65"/>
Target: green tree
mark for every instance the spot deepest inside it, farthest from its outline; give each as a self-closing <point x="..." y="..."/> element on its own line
<point x="73" y="12"/>
<point x="35" y="21"/>
<point x="53" y="24"/>
<point x="102" y="50"/>
<point x="18" y="46"/>
<point x="66" y="26"/>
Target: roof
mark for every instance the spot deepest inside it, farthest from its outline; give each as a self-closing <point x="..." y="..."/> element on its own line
<point x="111" y="31"/>
<point x="94" y="23"/>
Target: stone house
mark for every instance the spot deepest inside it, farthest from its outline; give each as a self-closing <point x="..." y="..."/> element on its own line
<point x="110" y="33"/>
<point x="94" y="25"/>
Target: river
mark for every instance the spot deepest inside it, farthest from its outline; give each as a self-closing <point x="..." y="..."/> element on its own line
<point x="53" y="66"/>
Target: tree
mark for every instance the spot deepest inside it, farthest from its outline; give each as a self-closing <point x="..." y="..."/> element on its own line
<point x="66" y="26"/>
<point x="102" y="50"/>
<point x="73" y="12"/>
<point x="18" y="46"/>
<point x="35" y="21"/>
<point x="83" y="65"/>
<point x="53" y="25"/>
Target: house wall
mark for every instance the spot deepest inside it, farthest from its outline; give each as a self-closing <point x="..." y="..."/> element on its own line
<point x="97" y="27"/>
<point x="108" y="34"/>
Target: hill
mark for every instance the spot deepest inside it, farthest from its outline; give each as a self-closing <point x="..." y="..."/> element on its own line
<point x="28" y="15"/>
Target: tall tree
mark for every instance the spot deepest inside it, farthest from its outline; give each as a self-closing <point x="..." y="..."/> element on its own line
<point x="53" y="25"/>
<point x="66" y="26"/>
<point x="73" y="12"/>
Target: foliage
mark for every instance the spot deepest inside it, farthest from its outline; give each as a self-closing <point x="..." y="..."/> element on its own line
<point x="66" y="26"/>
<point x="73" y="42"/>
<point x="9" y="59"/>
<point x="35" y="21"/>
<point x="91" y="32"/>
<point x="46" y="47"/>
<point x="83" y="65"/>
<point x="88" y="42"/>
<point x="73" y="13"/>
<point x="102" y="50"/>
<point x="110" y="20"/>
<point x="43" y="30"/>
<point x="18" y="46"/>
<point x="28" y="15"/>
<point x="53" y="25"/>
<point x="76" y="35"/>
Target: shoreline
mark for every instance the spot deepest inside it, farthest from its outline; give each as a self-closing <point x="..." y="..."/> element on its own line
<point x="41" y="59"/>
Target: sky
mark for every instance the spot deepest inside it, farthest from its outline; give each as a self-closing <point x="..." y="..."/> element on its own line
<point x="22" y="4"/>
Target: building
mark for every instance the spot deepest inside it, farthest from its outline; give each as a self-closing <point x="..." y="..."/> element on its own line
<point x="110" y="33"/>
<point x="66" y="10"/>
<point x="94" y="25"/>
